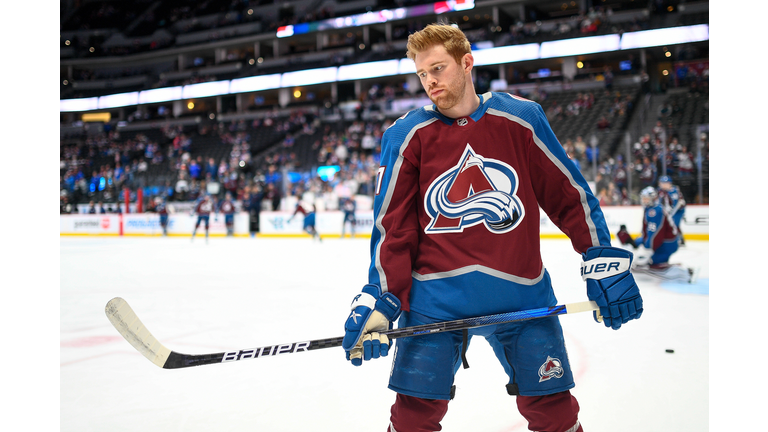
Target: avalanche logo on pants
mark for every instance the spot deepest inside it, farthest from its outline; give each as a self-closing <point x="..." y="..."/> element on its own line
<point x="476" y="190"/>
<point x="552" y="368"/>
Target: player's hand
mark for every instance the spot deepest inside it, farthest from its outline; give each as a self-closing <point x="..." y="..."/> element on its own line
<point x="611" y="285"/>
<point x="372" y="312"/>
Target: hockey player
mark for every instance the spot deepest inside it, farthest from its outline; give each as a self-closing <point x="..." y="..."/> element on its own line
<point x="348" y="208"/>
<point x="203" y="208"/>
<point x="309" y="219"/>
<point x="673" y="202"/>
<point x="227" y="208"/>
<point x="456" y="234"/>
<point x="162" y="210"/>
<point x="660" y="235"/>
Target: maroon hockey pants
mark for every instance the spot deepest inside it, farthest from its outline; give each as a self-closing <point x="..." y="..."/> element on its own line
<point x="551" y="413"/>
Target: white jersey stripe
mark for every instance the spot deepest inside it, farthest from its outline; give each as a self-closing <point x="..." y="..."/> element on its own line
<point x="388" y="199"/>
<point x="478" y="268"/>
<point x="558" y="163"/>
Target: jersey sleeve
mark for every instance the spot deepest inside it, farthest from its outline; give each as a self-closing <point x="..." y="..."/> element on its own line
<point x="561" y="190"/>
<point x="395" y="235"/>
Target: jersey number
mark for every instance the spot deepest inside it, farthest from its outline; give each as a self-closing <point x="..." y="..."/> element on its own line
<point x="380" y="178"/>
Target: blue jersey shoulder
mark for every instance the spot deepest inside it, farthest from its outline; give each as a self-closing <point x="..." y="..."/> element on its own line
<point x="527" y="110"/>
<point x="400" y="129"/>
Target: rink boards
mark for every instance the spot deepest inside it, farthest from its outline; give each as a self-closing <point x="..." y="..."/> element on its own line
<point x="695" y="225"/>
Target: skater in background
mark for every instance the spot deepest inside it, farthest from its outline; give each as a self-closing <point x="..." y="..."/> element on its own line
<point x="203" y="209"/>
<point x="450" y="243"/>
<point x="660" y="235"/>
<point x="227" y="208"/>
<point x="162" y="210"/>
<point x="309" y="219"/>
<point x="348" y="207"/>
<point x="252" y="204"/>
<point x="673" y="202"/>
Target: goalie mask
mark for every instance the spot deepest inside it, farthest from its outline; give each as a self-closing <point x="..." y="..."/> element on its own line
<point x="648" y="196"/>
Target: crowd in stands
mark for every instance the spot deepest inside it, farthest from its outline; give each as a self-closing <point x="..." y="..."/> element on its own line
<point x="594" y="21"/>
<point x="181" y="163"/>
<point x="105" y="164"/>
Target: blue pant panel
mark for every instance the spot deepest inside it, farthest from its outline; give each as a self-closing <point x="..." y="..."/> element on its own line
<point x="532" y="353"/>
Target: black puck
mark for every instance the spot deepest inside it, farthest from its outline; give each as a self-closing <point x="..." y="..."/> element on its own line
<point x="671" y="351"/>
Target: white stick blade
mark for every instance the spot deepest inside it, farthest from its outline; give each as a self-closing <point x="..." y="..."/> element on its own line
<point x="128" y="324"/>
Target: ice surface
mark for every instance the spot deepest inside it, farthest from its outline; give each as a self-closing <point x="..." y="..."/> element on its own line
<point x="235" y="293"/>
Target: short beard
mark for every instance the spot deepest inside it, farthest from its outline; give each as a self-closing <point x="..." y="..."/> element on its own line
<point x="451" y="95"/>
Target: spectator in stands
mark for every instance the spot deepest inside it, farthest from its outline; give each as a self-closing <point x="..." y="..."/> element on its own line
<point x="194" y="170"/>
<point x="608" y="77"/>
<point x="647" y="173"/>
<point x="620" y="175"/>
<point x="685" y="160"/>
<point x="252" y="199"/>
<point x="273" y="176"/>
<point x="603" y="124"/>
<point x="65" y="207"/>
<point x="341" y="152"/>
<point x="212" y="169"/>
<point x="274" y="196"/>
<point x="182" y="186"/>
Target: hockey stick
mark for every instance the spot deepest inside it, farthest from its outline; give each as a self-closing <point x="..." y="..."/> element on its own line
<point x="128" y="324"/>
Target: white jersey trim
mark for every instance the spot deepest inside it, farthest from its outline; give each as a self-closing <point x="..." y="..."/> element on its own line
<point x="481" y="269"/>
<point x="558" y="163"/>
<point x="388" y="199"/>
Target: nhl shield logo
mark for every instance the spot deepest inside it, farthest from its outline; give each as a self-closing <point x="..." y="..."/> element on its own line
<point x="552" y="368"/>
<point x="477" y="190"/>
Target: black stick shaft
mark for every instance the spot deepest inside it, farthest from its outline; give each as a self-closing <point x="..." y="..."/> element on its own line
<point x="176" y="360"/>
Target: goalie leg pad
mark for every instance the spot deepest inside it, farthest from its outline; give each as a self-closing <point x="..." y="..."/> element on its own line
<point x="556" y="412"/>
<point x="413" y="414"/>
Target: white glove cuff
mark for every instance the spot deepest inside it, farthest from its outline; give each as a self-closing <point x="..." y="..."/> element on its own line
<point x="601" y="268"/>
<point x="363" y="299"/>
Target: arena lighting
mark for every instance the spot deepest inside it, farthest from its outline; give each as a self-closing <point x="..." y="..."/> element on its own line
<point x="119" y="100"/>
<point x="285" y="31"/>
<point x="103" y="117"/>
<point x="368" y="70"/>
<point x="506" y="54"/>
<point x="164" y="94"/>
<point x="498" y="55"/>
<point x="254" y="83"/>
<point x="406" y="66"/>
<point x="667" y="36"/>
<point x="578" y="46"/>
<point x="376" y="17"/>
<point x="450" y="6"/>
<point x="308" y="77"/>
<point x="206" y="89"/>
<point x="82" y="104"/>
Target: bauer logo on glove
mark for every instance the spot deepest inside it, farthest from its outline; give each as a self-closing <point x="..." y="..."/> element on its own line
<point x="611" y="285"/>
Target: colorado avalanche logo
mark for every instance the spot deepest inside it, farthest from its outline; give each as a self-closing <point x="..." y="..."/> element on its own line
<point x="552" y="368"/>
<point x="477" y="190"/>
